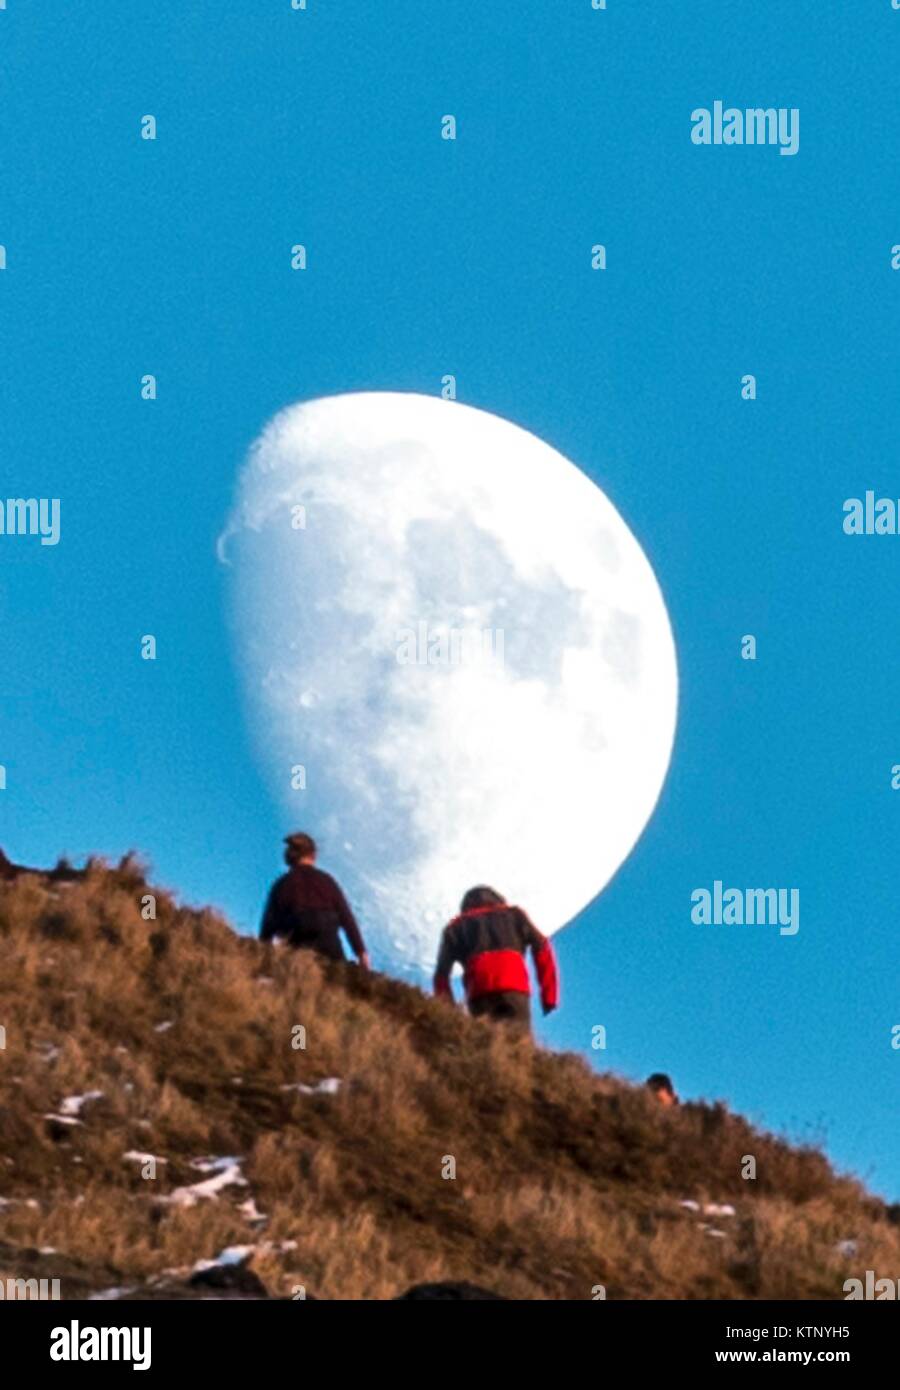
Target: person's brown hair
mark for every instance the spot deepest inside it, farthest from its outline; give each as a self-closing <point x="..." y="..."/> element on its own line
<point x="298" y="846"/>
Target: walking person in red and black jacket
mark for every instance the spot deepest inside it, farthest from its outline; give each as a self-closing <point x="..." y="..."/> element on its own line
<point x="489" y="939"/>
<point x="307" y="909"/>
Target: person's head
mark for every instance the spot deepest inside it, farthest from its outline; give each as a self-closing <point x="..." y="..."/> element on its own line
<point x="299" y="848"/>
<point x="662" y="1088"/>
<point x="481" y="896"/>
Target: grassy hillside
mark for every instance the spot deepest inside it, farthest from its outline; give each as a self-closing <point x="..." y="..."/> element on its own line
<point x="564" y="1179"/>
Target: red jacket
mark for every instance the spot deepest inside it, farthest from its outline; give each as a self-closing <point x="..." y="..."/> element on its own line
<point x="490" y="944"/>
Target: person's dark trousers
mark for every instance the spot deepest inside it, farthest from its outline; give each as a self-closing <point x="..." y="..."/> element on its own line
<point x="504" y="1006"/>
<point x="326" y="943"/>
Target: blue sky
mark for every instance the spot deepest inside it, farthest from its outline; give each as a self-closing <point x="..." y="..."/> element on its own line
<point x="425" y="257"/>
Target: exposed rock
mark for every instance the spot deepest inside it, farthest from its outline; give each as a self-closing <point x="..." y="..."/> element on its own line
<point x="235" y="1278"/>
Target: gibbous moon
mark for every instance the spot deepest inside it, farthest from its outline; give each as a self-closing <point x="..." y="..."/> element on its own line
<point x="458" y="663"/>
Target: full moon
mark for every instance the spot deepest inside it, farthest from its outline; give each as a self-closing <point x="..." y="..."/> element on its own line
<point x="458" y="664"/>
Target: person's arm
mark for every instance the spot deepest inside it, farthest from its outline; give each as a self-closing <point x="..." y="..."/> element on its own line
<point x="270" y="916"/>
<point x="349" y="923"/>
<point x="544" y="964"/>
<point x="446" y="957"/>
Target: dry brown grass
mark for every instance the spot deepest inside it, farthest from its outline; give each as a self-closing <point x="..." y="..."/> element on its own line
<point x="564" y="1180"/>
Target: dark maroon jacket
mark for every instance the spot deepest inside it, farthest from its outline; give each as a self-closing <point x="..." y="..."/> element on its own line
<point x="490" y="943"/>
<point x="307" y="908"/>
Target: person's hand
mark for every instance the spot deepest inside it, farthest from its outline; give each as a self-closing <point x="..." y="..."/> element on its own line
<point x="548" y="1009"/>
<point x="364" y="963"/>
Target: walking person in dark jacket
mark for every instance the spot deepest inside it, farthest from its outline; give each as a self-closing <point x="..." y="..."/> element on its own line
<point x="489" y="939"/>
<point x="307" y="909"/>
